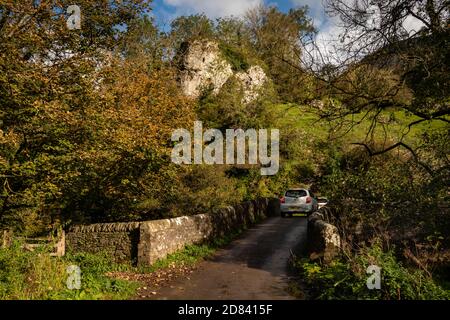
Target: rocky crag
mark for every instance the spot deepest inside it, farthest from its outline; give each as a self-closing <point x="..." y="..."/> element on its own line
<point x="204" y="66"/>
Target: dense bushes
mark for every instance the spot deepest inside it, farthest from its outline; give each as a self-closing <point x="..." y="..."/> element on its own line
<point x="388" y="218"/>
<point x="236" y="59"/>
<point x="98" y="160"/>
<point x="347" y="278"/>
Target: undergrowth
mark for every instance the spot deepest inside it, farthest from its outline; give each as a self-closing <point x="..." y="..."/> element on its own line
<point x="346" y="278"/>
<point x="35" y="275"/>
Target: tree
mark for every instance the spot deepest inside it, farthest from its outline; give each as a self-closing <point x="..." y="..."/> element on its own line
<point x="233" y="31"/>
<point x="278" y="39"/>
<point x="81" y="127"/>
<point x="188" y="28"/>
<point x="387" y="68"/>
<point x="144" y="40"/>
<point x="391" y="84"/>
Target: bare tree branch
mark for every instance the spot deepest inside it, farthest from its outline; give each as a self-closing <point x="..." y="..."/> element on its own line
<point x="392" y="147"/>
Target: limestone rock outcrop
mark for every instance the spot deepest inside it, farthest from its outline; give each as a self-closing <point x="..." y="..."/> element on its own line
<point x="252" y="82"/>
<point x="203" y="66"/>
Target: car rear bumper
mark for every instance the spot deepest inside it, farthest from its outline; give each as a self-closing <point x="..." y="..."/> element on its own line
<point x="289" y="208"/>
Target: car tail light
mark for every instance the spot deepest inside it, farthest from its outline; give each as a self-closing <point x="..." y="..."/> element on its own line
<point x="308" y="200"/>
<point x="282" y="200"/>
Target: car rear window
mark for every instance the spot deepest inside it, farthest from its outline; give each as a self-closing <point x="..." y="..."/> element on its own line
<point x="296" y="193"/>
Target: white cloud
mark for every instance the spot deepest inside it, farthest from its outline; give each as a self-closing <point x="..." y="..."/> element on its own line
<point x="213" y="8"/>
<point x="328" y="39"/>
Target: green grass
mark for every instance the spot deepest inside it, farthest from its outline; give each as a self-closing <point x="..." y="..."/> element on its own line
<point x="36" y="275"/>
<point x="302" y="117"/>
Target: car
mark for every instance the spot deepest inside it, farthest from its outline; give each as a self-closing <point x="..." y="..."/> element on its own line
<point x="298" y="201"/>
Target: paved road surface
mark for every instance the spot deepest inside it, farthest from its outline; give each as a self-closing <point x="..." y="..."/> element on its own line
<point x="255" y="266"/>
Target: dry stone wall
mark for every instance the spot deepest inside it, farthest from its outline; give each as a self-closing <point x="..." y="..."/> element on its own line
<point x="324" y="241"/>
<point x="118" y="240"/>
<point x="146" y="242"/>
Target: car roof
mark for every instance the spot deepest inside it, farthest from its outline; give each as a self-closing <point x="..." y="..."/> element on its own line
<point x="297" y="189"/>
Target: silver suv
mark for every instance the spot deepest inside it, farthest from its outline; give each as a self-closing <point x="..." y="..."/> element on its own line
<point x="298" y="201"/>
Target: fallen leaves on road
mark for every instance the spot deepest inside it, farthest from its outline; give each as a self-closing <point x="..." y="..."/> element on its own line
<point x="153" y="280"/>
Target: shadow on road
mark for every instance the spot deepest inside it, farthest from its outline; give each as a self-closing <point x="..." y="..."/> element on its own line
<point x="254" y="266"/>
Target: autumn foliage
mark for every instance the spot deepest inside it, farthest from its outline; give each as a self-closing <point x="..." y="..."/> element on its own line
<point x="84" y="130"/>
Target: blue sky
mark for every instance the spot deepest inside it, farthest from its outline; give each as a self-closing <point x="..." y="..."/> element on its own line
<point x="167" y="10"/>
<point x="328" y="37"/>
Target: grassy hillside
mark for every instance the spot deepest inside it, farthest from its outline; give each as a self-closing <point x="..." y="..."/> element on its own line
<point x="305" y="118"/>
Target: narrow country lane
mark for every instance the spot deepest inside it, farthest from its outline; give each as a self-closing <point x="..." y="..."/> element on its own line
<point x="253" y="267"/>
